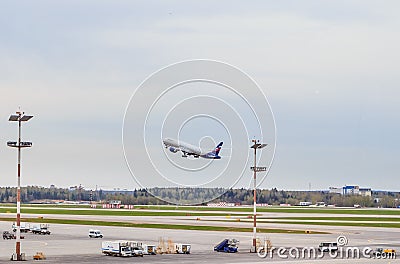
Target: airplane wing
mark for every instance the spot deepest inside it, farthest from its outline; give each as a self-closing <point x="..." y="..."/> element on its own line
<point x="187" y="153"/>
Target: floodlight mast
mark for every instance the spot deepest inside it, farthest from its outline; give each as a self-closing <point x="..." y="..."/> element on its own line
<point x="255" y="146"/>
<point x="19" y="117"/>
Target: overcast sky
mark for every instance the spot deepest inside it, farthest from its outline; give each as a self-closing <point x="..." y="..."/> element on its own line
<point x="328" y="68"/>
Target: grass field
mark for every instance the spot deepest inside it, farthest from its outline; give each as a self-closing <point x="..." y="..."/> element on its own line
<point x="276" y="209"/>
<point x="221" y="210"/>
<point x="367" y="217"/>
<point x="342" y="218"/>
<point x="105" y="212"/>
<point x="365" y="224"/>
<point x="160" y="226"/>
<point x="327" y="221"/>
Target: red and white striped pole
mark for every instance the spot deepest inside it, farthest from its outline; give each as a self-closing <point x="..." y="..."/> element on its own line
<point x="255" y="200"/>
<point x="18" y="242"/>
<point x="255" y="146"/>
<point x="20" y="117"/>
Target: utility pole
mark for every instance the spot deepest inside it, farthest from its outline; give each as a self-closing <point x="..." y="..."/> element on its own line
<point x="19" y="117"/>
<point x="256" y="145"/>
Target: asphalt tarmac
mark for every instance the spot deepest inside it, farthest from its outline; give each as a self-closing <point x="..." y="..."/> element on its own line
<point x="71" y="244"/>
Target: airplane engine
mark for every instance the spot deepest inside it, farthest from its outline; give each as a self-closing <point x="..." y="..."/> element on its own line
<point x="172" y="149"/>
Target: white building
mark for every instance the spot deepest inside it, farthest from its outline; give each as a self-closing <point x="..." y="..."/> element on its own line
<point x="365" y="192"/>
<point x="351" y="190"/>
<point x="338" y="190"/>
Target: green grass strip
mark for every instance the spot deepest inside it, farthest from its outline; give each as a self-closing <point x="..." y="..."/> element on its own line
<point x="221" y="210"/>
<point x="110" y="212"/>
<point x="340" y="218"/>
<point x="275" y="209"/>
<point x="361" y="223"/>
<point x="159" y="226"/>
<point x="364" y="224"/>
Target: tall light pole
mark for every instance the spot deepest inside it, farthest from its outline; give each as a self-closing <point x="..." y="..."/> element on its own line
<point x="19" y="117"/>
<point x="255" y="169"/>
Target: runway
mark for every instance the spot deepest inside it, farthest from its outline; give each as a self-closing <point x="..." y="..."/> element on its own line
<point x="71" y="244"/>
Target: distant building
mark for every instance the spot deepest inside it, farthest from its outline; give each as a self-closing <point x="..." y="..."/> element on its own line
<point x="221" y="204"/>
<point x="351" y="190"/>
<point x="338" y="190"/>
<point x="365" y="192"/>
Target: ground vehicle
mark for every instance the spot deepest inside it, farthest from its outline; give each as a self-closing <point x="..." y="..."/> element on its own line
<point x="24" y="227"/>
<point x="149" y="249"/>
<point x="8" y="235"/>
<point x="182" y="248"/>
<point x="136" y="248"/>
<point x="95" y="233"/>
<point x="137" y="251"/>
<point x="227" y="245"/>
<point x="328" y="247"/>
<point x="39" y="256"/>
<point x="384" y="253"/>
<point x="41" y="229"/>
<point x="116" y="248"/>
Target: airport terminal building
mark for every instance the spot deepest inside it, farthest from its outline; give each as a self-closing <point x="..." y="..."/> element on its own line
<point x="351" y="190"/>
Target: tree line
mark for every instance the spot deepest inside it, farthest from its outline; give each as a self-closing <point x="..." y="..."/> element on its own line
<point x="34" y="194"/>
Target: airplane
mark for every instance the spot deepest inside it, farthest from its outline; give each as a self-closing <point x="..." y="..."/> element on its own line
<point x="190" y="150"/>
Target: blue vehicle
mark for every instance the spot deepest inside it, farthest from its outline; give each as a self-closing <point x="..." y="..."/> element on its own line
<point x="227" y="246"/>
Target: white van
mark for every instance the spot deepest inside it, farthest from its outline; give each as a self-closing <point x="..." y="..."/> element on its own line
<point x="95" y="233"/>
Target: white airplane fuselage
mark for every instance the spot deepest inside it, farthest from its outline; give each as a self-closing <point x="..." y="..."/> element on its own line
<point x="190" y="150"/>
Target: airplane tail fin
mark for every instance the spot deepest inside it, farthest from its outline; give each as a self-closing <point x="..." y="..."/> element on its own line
<point x="213" y="154"/>
<point x="217" y="148"/>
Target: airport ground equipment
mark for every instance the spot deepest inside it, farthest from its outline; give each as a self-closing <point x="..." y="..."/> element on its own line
<point x="116" y="248"/>
<point x="136" y="248"/>
<point x="23" y="226"/>
<point x="8" y="235"/>
<point x="149" y="249"/>
<point x="328" y="247"/>
<point x="40" y="229"/>
<point x="227" y="245"/>
<point x="39" y="256"/>
<point x="163" y="248"/>
<point x="137" y="252"/>
<point x="182" y="248"/>
<point x="384" y="253"/>
<point x="95" y="233"/>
